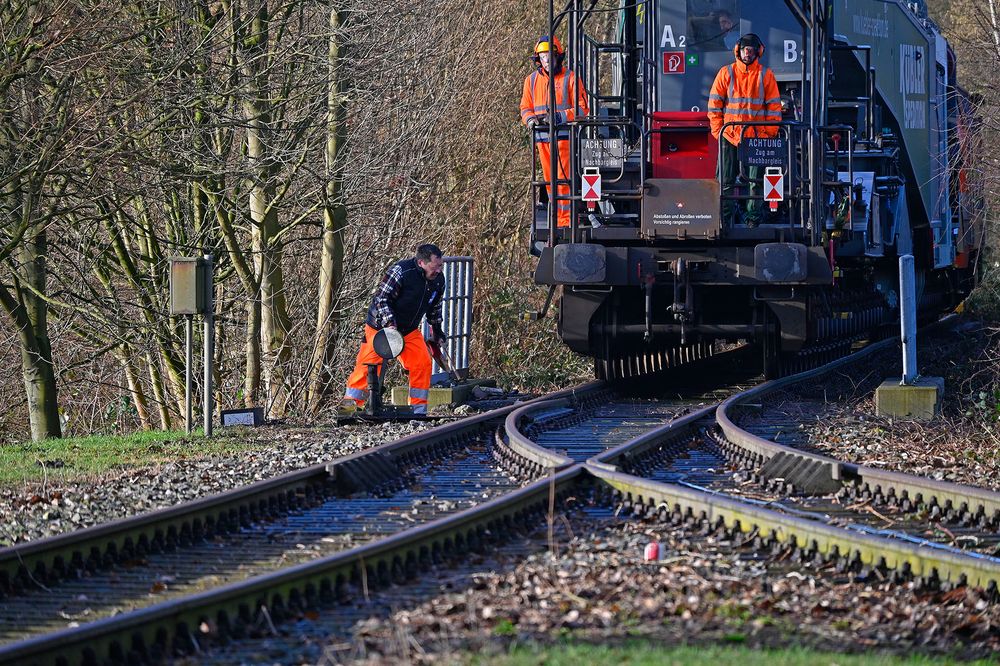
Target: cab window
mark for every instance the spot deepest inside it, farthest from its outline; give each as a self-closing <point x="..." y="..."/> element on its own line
<point x="713" y="25"/>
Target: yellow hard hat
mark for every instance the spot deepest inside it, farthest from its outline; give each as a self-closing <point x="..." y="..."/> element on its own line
<point x="545" y="44"/>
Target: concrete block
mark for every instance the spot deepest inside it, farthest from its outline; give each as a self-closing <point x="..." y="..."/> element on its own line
<point x="455" y="395"/>
<point x="919" y="401"/>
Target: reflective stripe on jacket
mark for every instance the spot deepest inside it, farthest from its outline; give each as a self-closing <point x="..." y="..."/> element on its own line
<point x="535" y="100"/>
<point x="742" y="94"/>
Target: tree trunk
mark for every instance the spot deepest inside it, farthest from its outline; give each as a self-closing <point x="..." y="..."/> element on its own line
<point x="156" y="380"/>
<point x="116" y="227"/>
<point x="267" y="253"/>
<point x="23" y="294"/>
<point x="334" y="218"/>
<point x="251" y="383"/>
<point x="274" y="323"/>
<point x="28" y="314"/>
<point x="251" y="289"/>
<point x="135" y="387"/>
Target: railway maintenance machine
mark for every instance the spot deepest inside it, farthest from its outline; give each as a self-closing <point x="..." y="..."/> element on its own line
<point x="870" y="162"/>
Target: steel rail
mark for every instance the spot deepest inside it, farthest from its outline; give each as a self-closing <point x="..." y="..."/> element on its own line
<point x="173" y="625"/>
<point x="155" y="632"/>
<point x="101" y="545"/>
<point x="178" y="625"/>
<point x="856" y="543"/>
<point x="831" y="474"/>
<point x="676" y="429"/>
<point x="767" y="449"/>
<point x="717" y="510"/>
<point x="523" y="446"/>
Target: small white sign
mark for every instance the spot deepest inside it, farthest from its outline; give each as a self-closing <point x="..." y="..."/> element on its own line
<point x="238" y="419"/>
<point x="774" y="184"/>
<point x="591" y="184"/>
<point x="242" y="417"/>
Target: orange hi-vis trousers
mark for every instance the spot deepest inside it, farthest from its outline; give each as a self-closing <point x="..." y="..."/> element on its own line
<point x="414" y="358"/>
<point x="545" y="155"/>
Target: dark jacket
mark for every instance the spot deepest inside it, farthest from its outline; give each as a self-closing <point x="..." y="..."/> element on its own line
<point x="404" y="296"/>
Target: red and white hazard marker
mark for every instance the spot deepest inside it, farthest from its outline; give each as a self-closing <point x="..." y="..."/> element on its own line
<point x="774" y="186"/>
<point x="591" y="179"/>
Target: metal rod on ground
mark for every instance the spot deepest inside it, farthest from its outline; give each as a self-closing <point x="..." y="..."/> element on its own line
<point x="908" y="318"/>
<point x="188" y="372"/>
<point x="209" y="342"/>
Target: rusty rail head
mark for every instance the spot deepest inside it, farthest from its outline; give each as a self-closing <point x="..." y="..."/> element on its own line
<point x="976" y="500"/>
<point x="768" y="449"/>
<point x="921" y="559"/>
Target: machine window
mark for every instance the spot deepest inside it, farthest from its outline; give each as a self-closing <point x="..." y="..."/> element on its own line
<point x="713" y="25"/>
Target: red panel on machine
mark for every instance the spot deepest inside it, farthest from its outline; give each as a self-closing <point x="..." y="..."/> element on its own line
<point x="686" y="149"/>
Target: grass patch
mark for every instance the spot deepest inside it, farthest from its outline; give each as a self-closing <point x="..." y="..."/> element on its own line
<point x="643" y="653"/>
<point x="77" y="457"/>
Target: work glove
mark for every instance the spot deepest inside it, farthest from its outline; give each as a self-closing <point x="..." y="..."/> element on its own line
<point x="540" y="119"/>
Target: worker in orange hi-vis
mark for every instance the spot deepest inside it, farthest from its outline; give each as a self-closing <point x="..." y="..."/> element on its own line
<point x="410" y="289"/>
<point x="743" y="91"/>
<point x="549" y="56"/>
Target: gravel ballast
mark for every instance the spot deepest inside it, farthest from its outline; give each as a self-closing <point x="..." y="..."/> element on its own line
<point x="598" y="589"/>
<point x="40" y="509"/>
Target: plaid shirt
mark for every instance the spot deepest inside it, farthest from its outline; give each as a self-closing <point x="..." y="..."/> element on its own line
<point x="388" y="291"/>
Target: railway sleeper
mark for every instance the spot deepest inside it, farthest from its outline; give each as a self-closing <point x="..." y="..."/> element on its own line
<point x="366" y="473"/>
<point x="155" y="540"/>
<point x="901" y="499"/>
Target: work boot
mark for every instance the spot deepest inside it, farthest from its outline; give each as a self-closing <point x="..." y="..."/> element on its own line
<point x="348" y="407"/>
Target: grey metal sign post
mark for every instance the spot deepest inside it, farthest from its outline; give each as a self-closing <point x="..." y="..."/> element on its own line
<point x="209" y="352"/>
<point x="191" y="293"/>
<point x="188" y="371"/>
<point x="908" y="318"/>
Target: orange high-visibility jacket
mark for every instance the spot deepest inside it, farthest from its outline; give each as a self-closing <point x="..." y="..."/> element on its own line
<point x="535" y="100"/>
<point x="741" y="94"/>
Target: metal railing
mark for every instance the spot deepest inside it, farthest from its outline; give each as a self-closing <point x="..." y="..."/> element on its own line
<point x="799" y="186"/>
<point x="456" y="312"/>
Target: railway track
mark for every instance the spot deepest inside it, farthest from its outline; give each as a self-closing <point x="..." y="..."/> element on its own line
<point x="164" y="582"/>
<point x="705" y="468"/>
<point x="432" y="497"/>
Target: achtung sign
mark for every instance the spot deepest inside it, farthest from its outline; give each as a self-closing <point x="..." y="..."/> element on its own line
<point x="763" y="152"/>
<point x="604" y="153"/>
